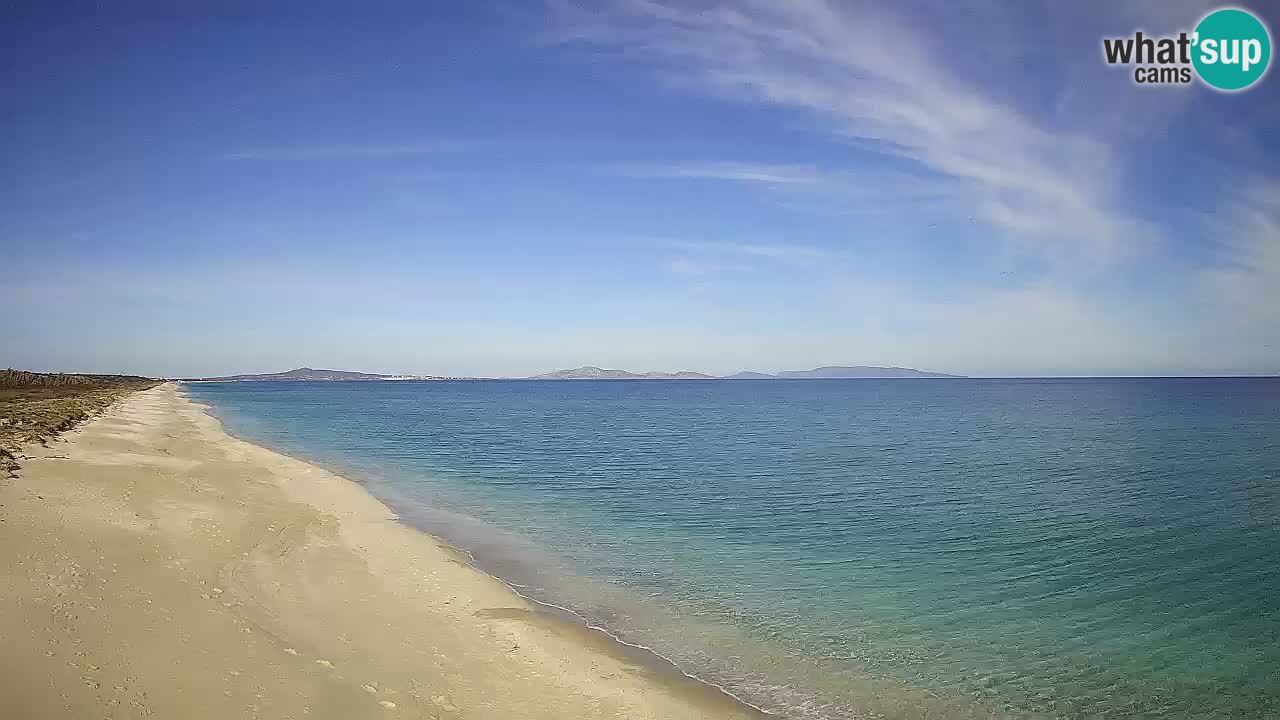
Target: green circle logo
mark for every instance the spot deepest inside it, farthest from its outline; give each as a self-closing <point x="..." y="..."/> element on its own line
<point x="1232" y="49"/>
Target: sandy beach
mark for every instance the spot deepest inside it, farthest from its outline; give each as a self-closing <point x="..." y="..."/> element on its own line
<point x="154" y="566"/>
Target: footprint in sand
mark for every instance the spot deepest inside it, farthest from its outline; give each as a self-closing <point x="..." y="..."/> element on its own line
<point x="387" y="704"/>
<point x="325" y="663"/>
<point x="443" y="703"/>
<point x="291" y="651"/>
<point x="369" y="688"/>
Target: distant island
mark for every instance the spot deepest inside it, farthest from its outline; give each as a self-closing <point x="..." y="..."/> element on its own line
<point x="589" y="372"/>
<point x="312" y="374"/>
<point x="594" y="373"/>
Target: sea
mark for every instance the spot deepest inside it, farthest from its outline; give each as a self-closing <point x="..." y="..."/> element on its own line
<point x="820" y="549"/>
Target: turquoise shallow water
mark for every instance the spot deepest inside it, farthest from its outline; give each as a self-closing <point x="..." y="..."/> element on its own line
<point x="848" y="548"/>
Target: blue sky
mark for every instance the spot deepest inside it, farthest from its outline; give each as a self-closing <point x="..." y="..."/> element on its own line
<point x="504" y="189"/>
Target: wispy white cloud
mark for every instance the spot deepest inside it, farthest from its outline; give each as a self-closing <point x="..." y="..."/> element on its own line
<point x="926" y="130"/>
<point x="734" y="171"/>
<point x="879" y="193"/>
<point x="1247" y="275"/>
<point x="872" y="78"/>
<point x="785" y="253"/>
<point x="706" y="265"/>
<point x="685" y="266"/>
<point x="343" y="151"/>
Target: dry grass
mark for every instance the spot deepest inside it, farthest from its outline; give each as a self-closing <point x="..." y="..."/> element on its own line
<point x="36" y="407"/>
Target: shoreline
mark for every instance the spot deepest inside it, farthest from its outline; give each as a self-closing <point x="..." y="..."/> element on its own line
<point x="800" y="688"/>
<point x="551" y="611"/>
<point x="160" y="565"/>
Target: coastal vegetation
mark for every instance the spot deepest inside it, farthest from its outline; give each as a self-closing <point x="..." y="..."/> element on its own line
<point x="36" y="407"/>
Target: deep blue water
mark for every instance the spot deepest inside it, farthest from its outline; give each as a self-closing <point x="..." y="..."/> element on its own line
<point x="838" y="548"/>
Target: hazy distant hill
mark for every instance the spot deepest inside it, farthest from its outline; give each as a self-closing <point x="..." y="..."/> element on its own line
<point x="589" y="372"/>
<point x="305" y="374"/>
<point x="854" y="371"/>
<point x="594" y="373"/>
<point x="862" y="371"/>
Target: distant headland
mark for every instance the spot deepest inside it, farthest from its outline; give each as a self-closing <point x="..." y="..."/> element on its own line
<point x="312" y="374"/>
<point x="588" y="372"/>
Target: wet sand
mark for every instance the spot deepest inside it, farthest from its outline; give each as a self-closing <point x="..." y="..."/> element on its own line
<point x="154" y="566"/>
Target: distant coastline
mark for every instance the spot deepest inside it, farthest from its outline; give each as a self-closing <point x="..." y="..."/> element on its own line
<point x="312" y="374"/>
<point x="589" y="372"/>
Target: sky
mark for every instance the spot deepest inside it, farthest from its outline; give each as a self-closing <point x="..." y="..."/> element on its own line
<point x="503" y="189"/>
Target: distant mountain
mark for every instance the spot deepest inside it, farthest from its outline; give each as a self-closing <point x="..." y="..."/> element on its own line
<point x="862" y="371"/>
<point x="594" y="373"/>
<point x="313" y="374"/>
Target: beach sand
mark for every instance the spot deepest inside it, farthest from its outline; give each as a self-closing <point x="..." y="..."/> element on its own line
<point x="154" y="566"/>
